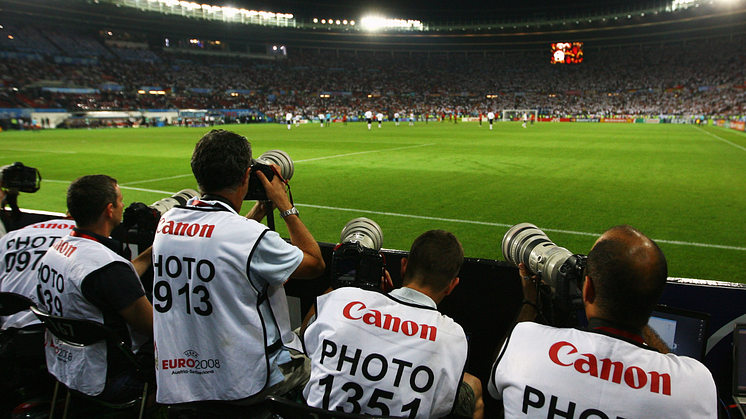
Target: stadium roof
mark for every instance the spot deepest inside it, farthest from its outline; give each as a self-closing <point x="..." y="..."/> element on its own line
<point x="433" y="10"/>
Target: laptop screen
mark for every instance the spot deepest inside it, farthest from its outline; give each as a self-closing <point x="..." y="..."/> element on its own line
<point x="684" y="331"/>
<point x="739" y="359"/>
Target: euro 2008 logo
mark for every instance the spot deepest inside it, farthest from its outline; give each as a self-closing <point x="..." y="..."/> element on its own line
<point x="191" y="361"/>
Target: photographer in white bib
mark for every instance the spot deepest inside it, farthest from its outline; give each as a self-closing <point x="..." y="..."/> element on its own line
<point x="395" y="354"/>
<point x="221" y="321"/>
<point x="82" y="276"/>
<point x="606" y="370"/>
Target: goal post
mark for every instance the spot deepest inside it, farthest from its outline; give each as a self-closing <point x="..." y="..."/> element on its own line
<point x="517" y="114"/>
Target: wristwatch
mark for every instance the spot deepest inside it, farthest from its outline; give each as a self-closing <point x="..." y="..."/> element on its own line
<point x="291" y="211"/>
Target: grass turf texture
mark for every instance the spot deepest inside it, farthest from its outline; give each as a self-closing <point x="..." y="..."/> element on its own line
<point x="676" y="183"/>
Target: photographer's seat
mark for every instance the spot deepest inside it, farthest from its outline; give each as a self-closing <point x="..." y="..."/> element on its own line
<point x="78" y="332"/>
<point x="218" y="410"/>
<point x="12" y="303"/>
<point x="287" y="409"/>
<point x="22" y="359"/>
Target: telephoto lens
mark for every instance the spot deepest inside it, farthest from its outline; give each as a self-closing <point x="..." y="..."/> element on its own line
<point x="560" y="268"/>
<point x="364" y="231"/>
<point x="179" y="198"/>
<point x="281" y="159"/>
<point x="357" y="260"/>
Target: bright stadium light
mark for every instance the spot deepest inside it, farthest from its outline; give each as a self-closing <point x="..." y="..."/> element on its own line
<point x="374" y="23"/>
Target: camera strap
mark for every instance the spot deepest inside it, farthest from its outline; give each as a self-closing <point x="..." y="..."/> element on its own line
<point x="286" y="182"/>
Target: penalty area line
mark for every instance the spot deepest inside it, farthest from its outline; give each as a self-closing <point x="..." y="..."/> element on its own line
<point x="155" y="180"/>
<point x="364" y="152"/>
<point x="296" y="161"/>
<point x="120" y="187"/>
<point x="484" y="223"/>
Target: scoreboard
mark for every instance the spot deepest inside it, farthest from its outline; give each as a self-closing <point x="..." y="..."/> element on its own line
<point x="567" y="53"/>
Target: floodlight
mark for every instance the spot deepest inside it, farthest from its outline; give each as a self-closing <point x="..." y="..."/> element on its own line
<point x="373" y="23"/>
<point x="315" y="20"/>
<point x="323" y="21"/>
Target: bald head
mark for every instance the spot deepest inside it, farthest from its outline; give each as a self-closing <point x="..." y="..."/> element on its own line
<point x="629" y="272"/>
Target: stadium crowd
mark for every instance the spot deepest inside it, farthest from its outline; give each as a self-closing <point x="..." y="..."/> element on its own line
<point x="704" y="78"/>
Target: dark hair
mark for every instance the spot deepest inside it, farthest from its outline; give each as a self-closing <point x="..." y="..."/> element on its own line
<point x="220" y="160"/>
<point x="88" y="197"/>
<point x="435" y="257"/>
<point x="629" y="272"/>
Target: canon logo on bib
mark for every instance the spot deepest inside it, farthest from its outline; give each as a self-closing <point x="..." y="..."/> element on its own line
<point x="356" y="310"/>
<point x="565" y="354"/>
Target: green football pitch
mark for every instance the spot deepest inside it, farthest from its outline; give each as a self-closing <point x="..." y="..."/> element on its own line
<point x="682" y="185"/>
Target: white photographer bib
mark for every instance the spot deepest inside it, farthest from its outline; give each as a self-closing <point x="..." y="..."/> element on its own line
<point x="373" y="354"/>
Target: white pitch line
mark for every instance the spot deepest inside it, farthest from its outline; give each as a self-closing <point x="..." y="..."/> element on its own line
<point x="22" y="156"/>
<point x="722" y="139"/>
<point x="146" y="190"/>
<point x="364" y="152"/>
<point x="295" y="161"/>
<point x="42" y="151"/>
<point x="120" y="187"/>
<point x="155" y="180"/>
<point x="451" y="220"/>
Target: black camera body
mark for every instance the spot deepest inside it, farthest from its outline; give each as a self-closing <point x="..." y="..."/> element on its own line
<point x="140" y="221"/>
<point x="357" y="266"/>
<point x="570" y="283"/>
<point x="256" y="190"/>
<point x="21" y="178"/>
<point x="141" y="216"/>
<point x="264" y="164"/>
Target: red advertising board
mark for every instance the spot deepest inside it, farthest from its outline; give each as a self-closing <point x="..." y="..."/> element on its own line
<point x="622" y="120"/>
